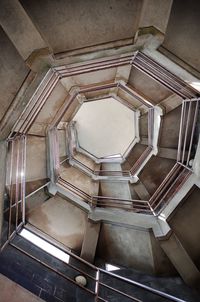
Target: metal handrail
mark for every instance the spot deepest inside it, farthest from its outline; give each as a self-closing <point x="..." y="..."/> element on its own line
<point x="15" y="184"/>
<point x="140" y="285"/>
<point x="172" y="183"/>
<point x="162" y="75"/>
<point x="189" y="114"/>
<point x="142" y="62"/>
<point x="98" y="173"/>
<point x="96" y="276"/>
<point x="95" y="201"/>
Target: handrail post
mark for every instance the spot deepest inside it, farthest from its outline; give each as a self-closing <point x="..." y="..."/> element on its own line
<point x="97" y="285"/>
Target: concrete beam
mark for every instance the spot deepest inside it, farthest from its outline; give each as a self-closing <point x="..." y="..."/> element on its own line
<point x="20" y="29"/>
<point x="181" y="260"/>
<point x="135" y="220"/>
<point x="3" y="154"/>
<point x="90" y="241"/>
<point x="167" y="153"/>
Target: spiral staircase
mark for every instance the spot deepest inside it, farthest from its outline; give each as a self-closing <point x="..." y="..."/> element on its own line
<point x="100" y="152"/>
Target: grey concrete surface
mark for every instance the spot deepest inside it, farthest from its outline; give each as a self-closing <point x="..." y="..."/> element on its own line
<point x="126" y="247"/>
<point x="72" y="25"/>
<point x="61" y="220"/>
<point x="169" y="134"/>
<point x="153" y="90"/>
<point x="49" y="110"/>
<point x="12" y="292"/>
<point x="133" y="156"/>
<point x="77" y="178"/>
<point x="154" y="172"/>
<point x="36" y="167"/>
<point x="178" y="255"/>
<point x="185" y="223"/>
<point x="183" y="30"/>
<point x="155" y="13"/>
<point x="12" y="72"/>
<point x="114" y="189"/>
<point x="135" y="248"/>
<point x="67" y="25"/>
<point x="20" y="29"/>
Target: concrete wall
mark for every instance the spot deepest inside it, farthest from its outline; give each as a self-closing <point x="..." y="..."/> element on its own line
<point x="49" y="110"/>
<point x="153" y="90"/>
<point x="186" y="225"/>
<point x="133" y="156"/>
<point x="132" y="248"/>
<point x="62" y="143"/>
<point x="36" y="162"/>
<point x="77" y="178"/>
<point x="182" y="36"/>
<point x="61" y="220"/>
<point x="154" y="172"/>
<point x="155" y="13"/>
<point x="12" y="72"/>
<point x="11" y="291"/>
<point x="76" y="24"/>
<point x="169" y="132"/>
<point x="126" y="247"/>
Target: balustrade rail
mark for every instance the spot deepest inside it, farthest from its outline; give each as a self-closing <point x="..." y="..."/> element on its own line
<point x="104" y="201"/>
<point x="101" y="284"/>
<point x="171" y="185"/>
<point x="168" y="188"/>
<point x="188" y="127"/>
<point x="105" y="174"/>
<point x="15" y="185"/>
<point x="163" y="76"/>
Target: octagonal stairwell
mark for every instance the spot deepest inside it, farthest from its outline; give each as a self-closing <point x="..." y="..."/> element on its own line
<point x="121" y="199"/>
<point x="116" y="185"/>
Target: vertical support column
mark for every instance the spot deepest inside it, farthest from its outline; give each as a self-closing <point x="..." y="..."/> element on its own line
<point x="90" y="241"/>
<point x="181" y="260"/>
<point x="3" y="154"/>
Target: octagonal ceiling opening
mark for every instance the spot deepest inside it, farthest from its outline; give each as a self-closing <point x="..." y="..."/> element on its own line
<point x="105" y="127"/>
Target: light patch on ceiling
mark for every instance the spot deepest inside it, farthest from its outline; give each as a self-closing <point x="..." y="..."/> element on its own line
<point x="195" y="85"/>
<point x="110" y="267"/>
<point x="45" y="246"/>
